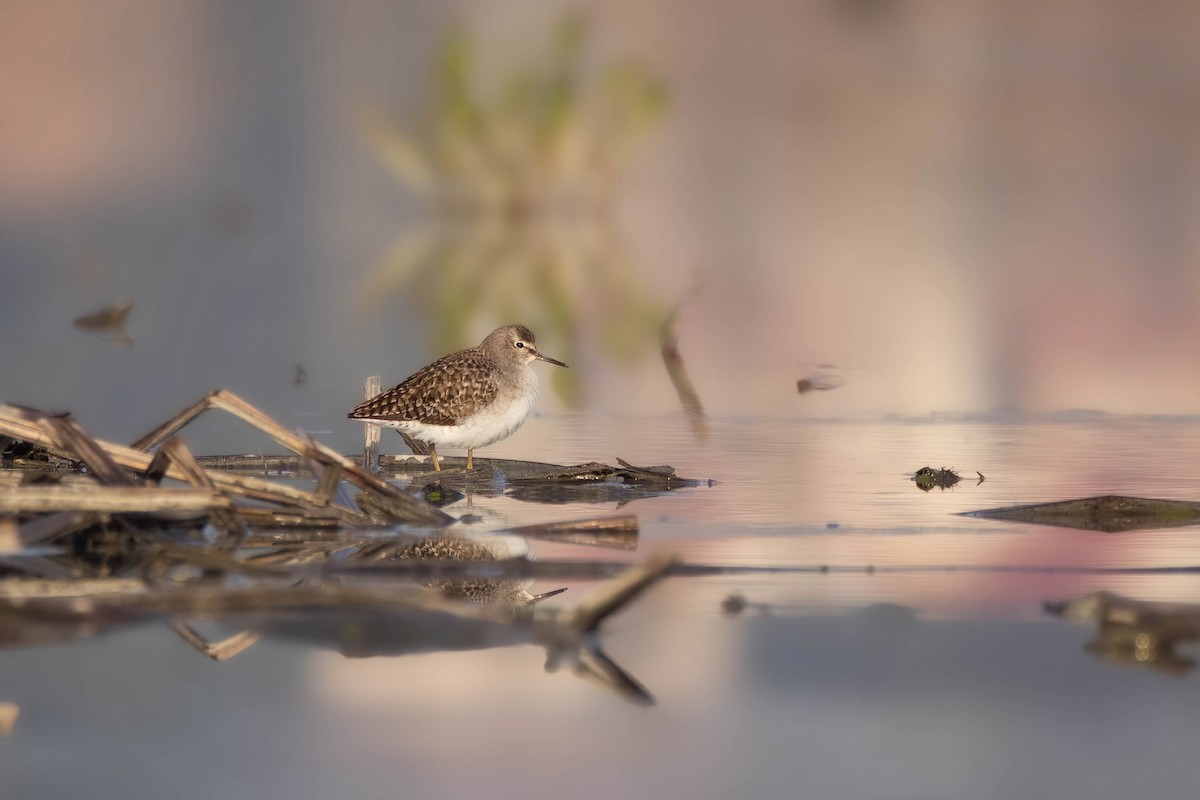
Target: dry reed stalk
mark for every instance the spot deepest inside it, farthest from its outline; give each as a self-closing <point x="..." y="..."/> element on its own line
<point x="615" y="532"/>
<point x="108" y="499"/>
<point x="371" y="432"/>
<point x="24" y="425"/>
<point x="415" y="510"/>
<point x="69" y="434"/>
<point x="178" y="454"/>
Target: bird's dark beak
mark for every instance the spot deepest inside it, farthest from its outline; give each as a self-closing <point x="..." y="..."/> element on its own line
<point x="544" y="595"/>
<point x="548" y="359"/>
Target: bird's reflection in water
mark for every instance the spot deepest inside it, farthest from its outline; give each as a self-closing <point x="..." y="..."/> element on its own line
<point x="506" y="617"/>
<point x="510" y="593"/>
<point x="1136" y="633"/>
<point x="360" y="611"/>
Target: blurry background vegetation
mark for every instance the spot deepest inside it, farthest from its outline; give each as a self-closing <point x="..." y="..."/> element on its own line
<point x="518" y="180"/>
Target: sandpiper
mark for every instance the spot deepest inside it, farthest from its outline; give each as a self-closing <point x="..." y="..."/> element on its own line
<point x="468" y="399"/>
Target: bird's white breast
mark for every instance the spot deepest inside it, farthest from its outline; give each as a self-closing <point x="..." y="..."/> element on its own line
<point x="497" y="421"/>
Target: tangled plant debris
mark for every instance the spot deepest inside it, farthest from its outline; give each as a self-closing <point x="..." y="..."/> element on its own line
<point x="95" y="535"/>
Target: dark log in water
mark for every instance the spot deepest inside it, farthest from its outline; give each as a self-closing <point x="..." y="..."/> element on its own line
<point x="1108" y="513"/>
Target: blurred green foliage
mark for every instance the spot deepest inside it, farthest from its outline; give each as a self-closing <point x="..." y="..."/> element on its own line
<point x="520" y="182"/>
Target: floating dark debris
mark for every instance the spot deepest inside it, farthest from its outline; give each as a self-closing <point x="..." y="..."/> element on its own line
<point x="1109" y="513"/>
<point x="816" y="383"/>
<point x="926" y="478"/>
<point x="733" y="604"/>
<point x="109" y="322"/>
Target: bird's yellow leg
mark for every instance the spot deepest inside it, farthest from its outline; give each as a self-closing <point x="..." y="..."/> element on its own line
<point x="470" y="460"/>
<point x="433" y="454"/>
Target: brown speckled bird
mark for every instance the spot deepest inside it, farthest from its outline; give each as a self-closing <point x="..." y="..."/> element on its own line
<point x="468" y="399"/>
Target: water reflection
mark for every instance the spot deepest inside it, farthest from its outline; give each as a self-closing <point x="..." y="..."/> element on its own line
<point x="508" y="592"/>
<point x="377" y="676"/>
<point x="590" y="483"/>
<point x="1136" y="633"/>
<point x="354" y="613"/>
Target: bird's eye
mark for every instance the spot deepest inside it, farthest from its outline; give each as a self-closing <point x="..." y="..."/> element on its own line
<point x="520" y="344"/>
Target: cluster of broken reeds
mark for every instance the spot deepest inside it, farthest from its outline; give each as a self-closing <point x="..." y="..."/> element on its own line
<point x="129" y="481"/>
<point x="95" y="534"/>
<point x="112" y="490"/>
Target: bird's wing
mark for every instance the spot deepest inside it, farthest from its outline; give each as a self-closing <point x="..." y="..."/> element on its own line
<point x="444" y="393"/>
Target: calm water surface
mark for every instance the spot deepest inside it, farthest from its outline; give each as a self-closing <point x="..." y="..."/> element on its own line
<point x="909" y="680"/>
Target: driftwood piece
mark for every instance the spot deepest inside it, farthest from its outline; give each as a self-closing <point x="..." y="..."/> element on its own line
<point x="328" y="483"/>
<point x="1108" y="513"/>
<point x="173" y="425"/>
<point x="616" y="532"/>
<point x="157" y="469"/>
<point x="108" y="499"/>
<point x="179" y="455"/>
<point x="69" y="434"/>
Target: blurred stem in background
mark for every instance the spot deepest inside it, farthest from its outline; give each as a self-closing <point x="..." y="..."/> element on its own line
<point x="520" y="187"/>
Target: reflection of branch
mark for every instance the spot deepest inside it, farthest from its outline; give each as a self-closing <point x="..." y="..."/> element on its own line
<point x="223" y="650"/>
<point x="1136" y="633"/>
<point x="569" y="634"/>
<point x="595" y="666"/>
<point x="689" y="398"/>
